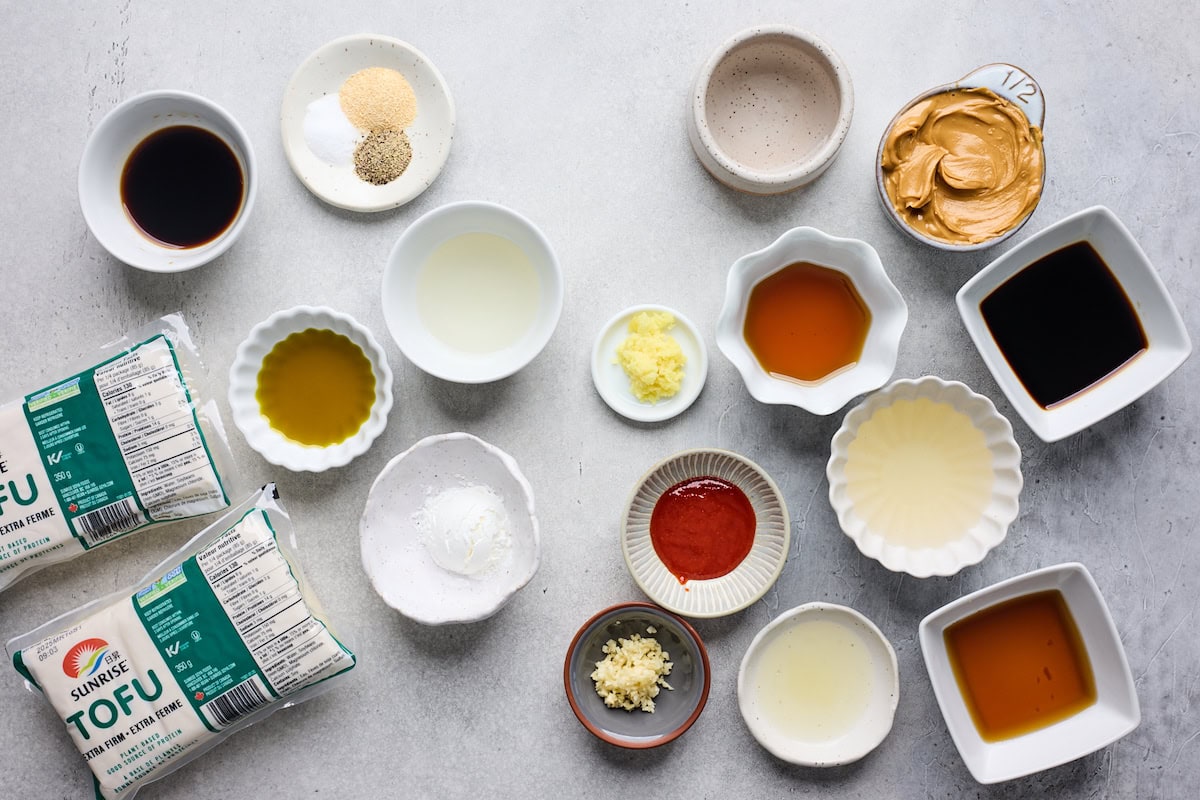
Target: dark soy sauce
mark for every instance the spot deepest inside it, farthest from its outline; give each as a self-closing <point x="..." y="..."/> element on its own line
<point x="1064" y="324"/>
<point x="182" y="186"/>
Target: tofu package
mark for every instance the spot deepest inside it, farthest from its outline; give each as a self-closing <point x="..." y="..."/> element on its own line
<point x="220" y="635"/>
<point x="129" y="440"/>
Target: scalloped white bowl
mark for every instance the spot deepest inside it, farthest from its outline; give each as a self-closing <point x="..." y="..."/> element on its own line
<point x="243" y="383"/>
<point x="396" y="558"/>
<point x="859" y="262"/>
<point x="729" y="593"/>
<point x="976" y="539"/>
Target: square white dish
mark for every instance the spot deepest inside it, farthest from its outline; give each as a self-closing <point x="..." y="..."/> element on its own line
<point x="1114" y="714"/>
<point x="1167" y="341"/>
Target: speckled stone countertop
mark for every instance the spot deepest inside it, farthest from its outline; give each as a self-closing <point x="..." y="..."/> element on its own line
<point x="573" y="114"/>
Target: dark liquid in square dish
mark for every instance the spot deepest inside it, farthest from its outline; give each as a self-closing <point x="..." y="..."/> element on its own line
<point x="1063" y="324"/>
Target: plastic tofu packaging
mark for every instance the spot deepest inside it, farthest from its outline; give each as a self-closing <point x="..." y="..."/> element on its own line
<point x="129" y="440"/>
<point x="220" y="635"/>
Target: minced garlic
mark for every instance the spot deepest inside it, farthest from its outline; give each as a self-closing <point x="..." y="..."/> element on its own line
<point x="631" y="672"/>
<point x="651" y="357"/>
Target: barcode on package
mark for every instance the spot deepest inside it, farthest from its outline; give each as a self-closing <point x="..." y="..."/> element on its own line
<point x="97" y="527"/>
<point x="236" y="703"/>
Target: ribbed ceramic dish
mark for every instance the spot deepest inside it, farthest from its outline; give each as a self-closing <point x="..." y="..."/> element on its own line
<point x="749" y="580"/>
<point x="243" y="383"/>
<point x="997" y="514"/>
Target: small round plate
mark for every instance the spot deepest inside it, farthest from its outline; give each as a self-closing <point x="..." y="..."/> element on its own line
<point x="243" y="383"/>
<point x="749" y="580"/>
<point x="431" y="134"/>
<point x="613" y="384"/>
<point x="871" y="676"/>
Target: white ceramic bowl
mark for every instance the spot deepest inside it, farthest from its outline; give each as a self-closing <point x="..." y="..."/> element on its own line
<point x="1115" y="713"/>
<point x="243" y="383"/>
<point x="402" y="313"/>
<point x="613" y="384"/>
<point x="734" y="591"/>
<point x="1002" y="482"/>
<point x="859" y="262"/>
<point x="770" y="109"/>
<point x="397" y="559"/>
<point x="1006" y="81"/>
<point x="880" y="684"/>
<point x="431" y="134"/>
<point x="1168" y="343"/>
<point x="104" y="157"/>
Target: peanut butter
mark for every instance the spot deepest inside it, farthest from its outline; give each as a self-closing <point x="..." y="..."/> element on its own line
<point x="963" y="166"/>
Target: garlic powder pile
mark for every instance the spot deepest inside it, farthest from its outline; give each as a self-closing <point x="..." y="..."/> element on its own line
<point x="631" y="673"/>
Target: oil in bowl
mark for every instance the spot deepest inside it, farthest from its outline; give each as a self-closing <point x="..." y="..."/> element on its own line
<point x="819" y="685"/>
<point x="316" y="387"/>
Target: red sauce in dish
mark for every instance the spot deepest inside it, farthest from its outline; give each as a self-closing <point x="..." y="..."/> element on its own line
<point x="702" y="528"/>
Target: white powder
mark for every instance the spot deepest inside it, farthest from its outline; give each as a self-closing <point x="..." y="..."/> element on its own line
<point x="329" y="133"/>
<point x="465" y="529"/>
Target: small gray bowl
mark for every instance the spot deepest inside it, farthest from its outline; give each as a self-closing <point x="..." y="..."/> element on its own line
<point x="674" y="710"/>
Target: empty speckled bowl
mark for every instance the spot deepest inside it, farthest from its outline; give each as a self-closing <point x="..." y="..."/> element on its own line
<point x="674" y="710"/>
<point x="770" y="110"/>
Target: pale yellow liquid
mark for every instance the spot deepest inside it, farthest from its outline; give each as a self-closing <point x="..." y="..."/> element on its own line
<point x="919" y="473"/>
<point x="814" y="681"/>
<point x="478" y="293"/>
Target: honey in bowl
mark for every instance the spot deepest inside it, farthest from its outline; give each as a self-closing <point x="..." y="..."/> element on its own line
<point x="1021" y="665"/>
<point x="316" y="387"/>
<point x="806" y="323"/>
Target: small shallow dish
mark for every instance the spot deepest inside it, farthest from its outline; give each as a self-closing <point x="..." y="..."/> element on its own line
<point x="398" y="561"/>
<point x="855" y="259"/>
<point x="675" y="709"/>
<point x="1167" y="342"/>
<point x="401" y="275"/>
<point x="1114" y="714"/>
<point x="431" y="134"/>
<point x="995" y="492"/>
<point x="879" y="682"/>
<point x="108" y="149"/>
<point x="1006" y="81"/>
<point x="770" y="109"/>
<point x="243" y="384"/>
<point x="734" y="591"/>
<point x="613" y="384"/>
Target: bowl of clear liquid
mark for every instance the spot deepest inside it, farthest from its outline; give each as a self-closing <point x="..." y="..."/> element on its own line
<point x="472" y="292"/>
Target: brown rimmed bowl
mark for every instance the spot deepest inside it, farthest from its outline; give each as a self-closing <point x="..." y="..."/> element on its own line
<point x="674" y="709"/>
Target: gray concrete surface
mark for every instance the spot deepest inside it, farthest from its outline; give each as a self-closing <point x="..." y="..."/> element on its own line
<point x="572" y="113"/>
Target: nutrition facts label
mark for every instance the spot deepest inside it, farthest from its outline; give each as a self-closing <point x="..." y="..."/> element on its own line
<point x="152" y="421"/>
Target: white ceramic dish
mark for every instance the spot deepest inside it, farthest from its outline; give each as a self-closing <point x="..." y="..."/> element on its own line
<point x="860" y="263"/>
<point x="243" y="383"/>
<point x="431" y="134"/>
<point x="1003" y="481"/>
<point x="770" y="109"/>
<point x="613" y="384"/>
<point x="1006" y="81"/>
<point x="396" y="558"/>
<point x="1115" y="713"/>
<point x="881" y="687"/>
<point x="104" y="157"/>
<point x="1168" y="343"/>
<point x="401" y="275"/>
<point x="729" y="593"/>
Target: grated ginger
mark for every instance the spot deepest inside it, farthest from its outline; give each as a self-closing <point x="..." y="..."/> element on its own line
<point x="651" y="357"/>
<point x="631" y="673"/>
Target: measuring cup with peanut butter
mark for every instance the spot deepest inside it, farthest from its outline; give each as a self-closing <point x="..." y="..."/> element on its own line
<point x="961" y="167"/>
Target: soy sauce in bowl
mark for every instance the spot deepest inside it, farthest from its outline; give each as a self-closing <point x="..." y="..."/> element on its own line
<point x="182" y="186"/>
